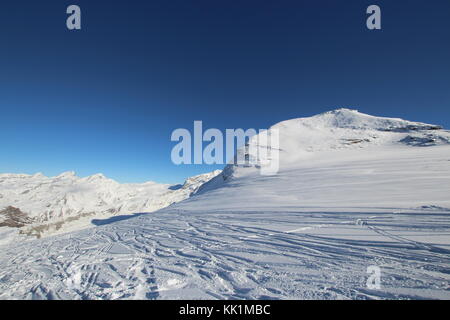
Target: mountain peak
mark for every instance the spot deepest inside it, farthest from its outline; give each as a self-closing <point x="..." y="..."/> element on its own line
<point x="67" y="174"/>
<point x="353" y="119"/>
<point x="98" y="176"/>
<point x="341" y="111"/>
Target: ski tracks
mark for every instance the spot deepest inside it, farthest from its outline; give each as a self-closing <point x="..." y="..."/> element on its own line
<point x="262" y="255"/>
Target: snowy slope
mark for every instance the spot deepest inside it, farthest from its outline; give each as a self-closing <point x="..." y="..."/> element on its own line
<point x="66" y="202"/>
<point x="353" y="191"/>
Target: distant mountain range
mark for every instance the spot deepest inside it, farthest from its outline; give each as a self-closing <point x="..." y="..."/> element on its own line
<point x="41" y="205"/>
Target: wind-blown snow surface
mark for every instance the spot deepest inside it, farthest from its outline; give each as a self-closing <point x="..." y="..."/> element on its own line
<point x="352" y="191"/>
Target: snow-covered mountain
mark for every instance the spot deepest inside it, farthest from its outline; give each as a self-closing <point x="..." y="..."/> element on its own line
<point x="353" y="191"/>
<point x="42" y="205"/>
<point x="339" y="134"/>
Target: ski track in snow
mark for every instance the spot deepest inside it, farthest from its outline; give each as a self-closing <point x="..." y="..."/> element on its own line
<point x="229" y="255"/>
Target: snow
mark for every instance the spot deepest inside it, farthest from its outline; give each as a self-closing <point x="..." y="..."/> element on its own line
<point x="351" y="193"/>
<point x="67" y="202"/>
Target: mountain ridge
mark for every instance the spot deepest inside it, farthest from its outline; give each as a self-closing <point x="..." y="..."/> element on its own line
<point x="49" y="203"/>
<point x="307" y="138"/>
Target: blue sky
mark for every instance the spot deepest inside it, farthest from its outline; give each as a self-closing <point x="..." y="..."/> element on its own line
<point x="107" y="98"/>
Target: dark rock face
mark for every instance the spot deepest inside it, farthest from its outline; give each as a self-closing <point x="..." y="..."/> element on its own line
<point x="409" y="128"/>
<point x="14" y="218"/>
<point x="425" y="140"/>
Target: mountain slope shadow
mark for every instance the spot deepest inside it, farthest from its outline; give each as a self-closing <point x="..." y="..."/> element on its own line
<point x="102" y="222"/>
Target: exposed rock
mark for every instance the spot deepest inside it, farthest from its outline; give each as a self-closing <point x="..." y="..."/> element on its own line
<point x="14" y="218"/>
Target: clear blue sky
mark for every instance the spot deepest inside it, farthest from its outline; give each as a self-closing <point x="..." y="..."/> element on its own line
<point x="106" y="98"/>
